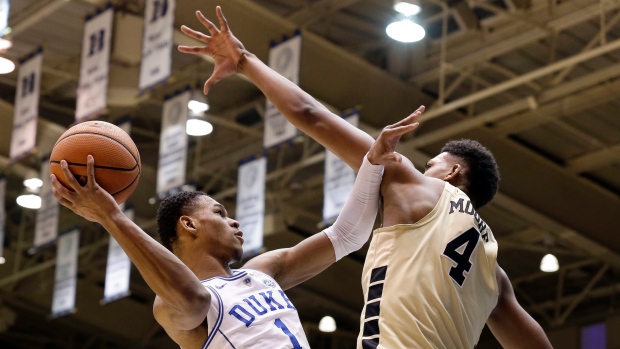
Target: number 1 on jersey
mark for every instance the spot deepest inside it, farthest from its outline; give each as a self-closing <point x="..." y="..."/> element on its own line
<point x="470" y="240"/>
<point x="287" y="332"/>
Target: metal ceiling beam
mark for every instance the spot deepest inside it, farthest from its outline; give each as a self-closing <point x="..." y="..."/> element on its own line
<point x="28" y="18"/>
<point x="594" y="160"/>
<point x="505" y="39"/>
<point x="318" y="9"/>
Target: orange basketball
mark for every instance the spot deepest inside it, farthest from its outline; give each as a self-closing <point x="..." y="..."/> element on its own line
<point x="117" y="161"/>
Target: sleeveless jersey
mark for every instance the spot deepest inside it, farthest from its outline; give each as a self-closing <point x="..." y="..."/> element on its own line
<point x="250" y="310"/>
<point x="431" y="284"/>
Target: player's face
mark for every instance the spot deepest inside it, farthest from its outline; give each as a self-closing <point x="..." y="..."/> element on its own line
<point x="221" y="233"/>
<point x="440" y="166"/>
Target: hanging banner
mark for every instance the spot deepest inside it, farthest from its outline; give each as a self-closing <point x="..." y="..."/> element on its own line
<point x="284" y="58"/>
<point x="5" y="8"/>
<point x="94" y="67"/>
<point x="173" y="144"/>
<point x="118" y="268"/>
<point x="26" y="111"/>
<point x="338" y="183"/>
<point x="46" y="225"/>
<point x="157" y="42"/>
<point x="2" y="214"/>
<point x="250" y="210"/>
<point x="65" y="280"/>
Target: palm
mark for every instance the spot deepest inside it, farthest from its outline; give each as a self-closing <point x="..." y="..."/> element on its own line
<point x="382" y="152"/>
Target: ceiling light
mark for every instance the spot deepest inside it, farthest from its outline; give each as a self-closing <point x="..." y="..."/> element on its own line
<point x="549" y="263"/>
<point x="29" y="201"/>
<point x="405" y="31"/>
<point x="407" y="8"/>
<point x="5" y="44"/>
<point x="327" y="324"/>
<point x="198" y="104"/>
<point x="33" y="183"/>
<point x="2" y="260"/>
<point x="198" y="127"/>
<point x="6" y="66"/>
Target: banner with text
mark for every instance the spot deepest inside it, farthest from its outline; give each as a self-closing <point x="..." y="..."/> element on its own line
<point x="46" y="225"/>
<point x="338" y="183"/>
<point x="65" y="280"/>
<point x="118" y="268"/>
<point x="26" y="110"/>
<point x="2" y="214"/>
<point x="157" y="42"/>
<point x="173" y="144"/>
<point x="94" y="66"/>
<point x="284" y="58"/>
<point x="250" y="212"/>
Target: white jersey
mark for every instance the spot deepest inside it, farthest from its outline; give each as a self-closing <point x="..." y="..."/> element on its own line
<point x="250" y="310"/>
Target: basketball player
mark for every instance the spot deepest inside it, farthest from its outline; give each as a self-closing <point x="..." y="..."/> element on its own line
<point x="430" y="278"/>
<point x="244" y="308"/>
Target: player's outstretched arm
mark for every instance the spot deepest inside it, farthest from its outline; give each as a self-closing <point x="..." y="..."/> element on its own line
<point x="185" y="301"/>
<point x="513" y="327"/>
<point x="302" y="110"/>
<point x="292" y="266"/>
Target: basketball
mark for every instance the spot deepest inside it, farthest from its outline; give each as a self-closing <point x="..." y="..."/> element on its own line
<point x="117" y="161"/>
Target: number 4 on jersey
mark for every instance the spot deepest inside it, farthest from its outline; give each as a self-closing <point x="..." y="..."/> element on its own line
<point x="463" y="264"/>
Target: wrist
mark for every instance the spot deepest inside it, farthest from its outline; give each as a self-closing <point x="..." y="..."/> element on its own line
<point x="242" y="61"/>
<point x="112" y="217"/>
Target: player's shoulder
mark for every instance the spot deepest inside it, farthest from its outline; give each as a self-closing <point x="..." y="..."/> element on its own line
<point x="236" y="274"/>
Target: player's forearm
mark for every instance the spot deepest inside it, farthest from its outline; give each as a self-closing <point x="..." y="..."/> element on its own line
<point x="165" y="274"/>
<point x="521" y="334"/>
<point x="307" y="114"/>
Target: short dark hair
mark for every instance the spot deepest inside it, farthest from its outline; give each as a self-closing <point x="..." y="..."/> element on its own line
<point x="169" y="212"/>
<point x="482" y="172"/>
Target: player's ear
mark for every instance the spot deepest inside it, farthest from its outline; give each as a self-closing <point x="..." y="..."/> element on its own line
<point x="187" y="223"/>
<point x="455" y="171"/>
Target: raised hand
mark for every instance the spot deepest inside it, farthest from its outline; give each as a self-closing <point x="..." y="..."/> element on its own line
<point x="222" y="45"/>
<point x="90" y="201"/>
<point x="382" y="151"/>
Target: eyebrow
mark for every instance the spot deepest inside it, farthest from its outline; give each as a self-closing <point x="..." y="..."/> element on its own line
<point x="221" y="207"/>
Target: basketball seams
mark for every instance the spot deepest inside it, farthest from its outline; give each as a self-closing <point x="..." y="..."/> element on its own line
<point x="98" y="166"/>
<point x="102" y="135"/>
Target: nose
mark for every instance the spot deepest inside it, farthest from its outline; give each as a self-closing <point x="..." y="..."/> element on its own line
<point x="234" y="223"/>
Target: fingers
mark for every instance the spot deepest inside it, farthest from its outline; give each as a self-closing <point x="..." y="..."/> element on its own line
<point x="195" y="50"/>
<point x="223" y="22"/>
<point x="75" y="185"/>
<point x="61" y="193"/>
<point x="207" y="23"/>
<point x="209" y="83"/>
<point x="411" y="118"/>
<point x="90" y="171"/>
<point x="195" y="34"/>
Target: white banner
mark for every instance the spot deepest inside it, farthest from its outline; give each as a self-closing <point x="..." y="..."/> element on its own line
<point x="94" y="66"/>
<point x="26" y="111"/>
<point x="117" y="269"/>
<point x="250" y="212"/>
<point x="284" y="58"/>
<point x="157" y="42"/>
<point x="173" y="144"/>
<point x="339" y="179"/>
<point x="65" y="281"/>
<point x="46" y="226"/>
<point x="2" y="214"/>
<point x="5" y="7"/>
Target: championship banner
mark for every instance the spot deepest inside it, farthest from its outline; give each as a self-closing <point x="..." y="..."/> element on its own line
<point x="5" y="8"/>
<point x="339" y="180"/>
<point x="284" y="58"/>
<point x="173" y="144"/>
<point x="157" y="42"/>
<point x="118" y="268"/>
<point x="2" y="214"/>
<point x="46" y="225"/>
<point x="65" y="280"/>
<point x="26" y="111"/>
<point x="250" y="210"/>
<point x="94" y="67"/>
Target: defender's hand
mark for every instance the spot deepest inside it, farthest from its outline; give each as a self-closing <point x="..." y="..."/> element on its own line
<point x="90" y="201"/>
<point x="382" y="151"/>
<point x="222" y="46"/>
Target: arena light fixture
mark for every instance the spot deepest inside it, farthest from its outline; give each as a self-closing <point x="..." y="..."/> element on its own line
<point x="327" y="324"/>
<point x="549" y="263"/>
<point x="407" y="7"/>
<point x="6" y="66"/>
<point x="33" y="183"/>
<point x="198" y="126"/>
<point x="198" y="104"/>
<point x="405" y="31"/>
<point x="31" y="201"/>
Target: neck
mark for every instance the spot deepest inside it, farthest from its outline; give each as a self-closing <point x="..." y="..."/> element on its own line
<point x="204" y="265"/>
